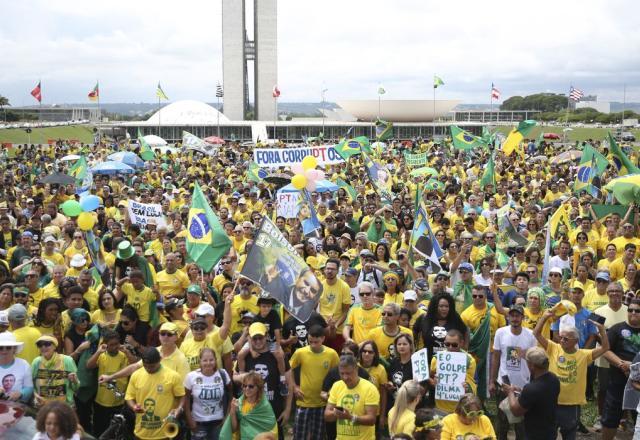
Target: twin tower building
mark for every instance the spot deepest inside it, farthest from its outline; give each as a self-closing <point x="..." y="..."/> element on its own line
<point x="238" y="50"/>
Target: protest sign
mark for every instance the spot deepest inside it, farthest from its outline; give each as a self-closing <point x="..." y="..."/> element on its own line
<point x="288" y="204"/>
<point x="277" y="267"/>
<point x="451" y="371"/>
<point x="141" y="213"/>
<point x="420" y="365"/>
<point x="416" y="160"/>
<point x="284" y="157"/>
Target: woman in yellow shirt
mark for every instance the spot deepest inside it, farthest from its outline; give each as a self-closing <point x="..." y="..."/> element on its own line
<point x="402" y="416"/>
<point x="468" y="420"/>
<point x="77" y="246"/>
<point x="107" y="315"/>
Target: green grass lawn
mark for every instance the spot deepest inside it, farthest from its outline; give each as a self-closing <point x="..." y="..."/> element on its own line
<point x="577" y="134"/>
<point x="83" y="133"/>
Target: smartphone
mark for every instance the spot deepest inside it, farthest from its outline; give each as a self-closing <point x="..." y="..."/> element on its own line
<point x="339" y="408"/>
<point x="597" y="318"/>
<point x="506" y="380"/>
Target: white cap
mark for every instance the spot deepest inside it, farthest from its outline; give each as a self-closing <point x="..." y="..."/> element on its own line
<point x="205" y="309"/>
<point x="78" y="261"/>
<point x="410" y="295"/>
<point x="7" y="339"/>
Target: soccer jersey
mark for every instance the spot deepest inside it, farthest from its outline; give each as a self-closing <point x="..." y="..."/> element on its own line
<point x="355" y="400"/>
<point x="110" y="364"/>
<point x="313" y="368"/>
<point x="333" y="298"/>
<point x="139" y="300"/>
<point x="571" y="369"/>
<point x="362" y="321"/>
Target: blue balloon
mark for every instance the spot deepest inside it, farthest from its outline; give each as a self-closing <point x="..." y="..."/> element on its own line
<point x="89" y="203"/>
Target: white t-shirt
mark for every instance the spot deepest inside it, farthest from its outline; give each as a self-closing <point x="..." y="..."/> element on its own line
<point x="561" y="264"/>
<point x="16" y="376"/>
<point x="45" y="436"/>
<point x="512" y="349"/>
<point x="208" y="393"/>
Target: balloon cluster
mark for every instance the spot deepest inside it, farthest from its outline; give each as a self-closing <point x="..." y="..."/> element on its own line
<point x="83" y="210"/>
<point x="305" y="174"/>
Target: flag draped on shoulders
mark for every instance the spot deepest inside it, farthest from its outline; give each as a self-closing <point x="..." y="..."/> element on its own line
<point x="348" y="188"/>
<point x="517" y="135"/>
<point x="207" y="241"/>
<point x="479" y="343"/>
<point x="258" y="420"/>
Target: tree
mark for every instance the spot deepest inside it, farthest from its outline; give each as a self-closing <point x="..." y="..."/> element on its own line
<point x="4" y="102"/>
<point x="545" y="102"/>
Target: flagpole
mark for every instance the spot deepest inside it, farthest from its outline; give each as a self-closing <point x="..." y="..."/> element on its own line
<point x="434" y="108"/>
<point x="566" y="117"/>
<point x="99" y="115"/>
<point x="159" y="113"/>
<point x="218" y="98"/>
<point x="275" y="116"/>
<point x="491" y="105"/>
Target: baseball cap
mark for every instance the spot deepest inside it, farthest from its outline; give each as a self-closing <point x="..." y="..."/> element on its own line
<point x="198" y="320"/>
<point x="577" y="285"/>
<point x="257" y="328"/>
<point x="351" y="272"/>
<point x="169" y="327"/>
<point x="555" y="270"/>
<point x="17" y="312"/>
<point x="465" y="267"/>
<point x="194" y="288"/>
<point x="205" y="309"/>
<point x="49" y="238"/>
<point x="365" y="253"/>
<point x="603" y="276"/>
<point x="410" y="295"/>
<point x="47" y="338"/>
<point x="517" y="308"/>
<point x="246" y="315"/>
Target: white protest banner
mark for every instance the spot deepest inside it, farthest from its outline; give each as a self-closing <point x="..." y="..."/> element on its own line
<point x="141" y="213"/>
<point x="451" y="371"/>
<point x="420" y="365"/>
<point x="287" y="204"/>
<point x="285" y="157"/>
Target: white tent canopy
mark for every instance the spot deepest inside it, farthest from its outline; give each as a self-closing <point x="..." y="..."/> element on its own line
<point x="154" y="141"/>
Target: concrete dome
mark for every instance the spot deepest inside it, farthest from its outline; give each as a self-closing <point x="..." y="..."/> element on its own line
<point x="187" y="112"/>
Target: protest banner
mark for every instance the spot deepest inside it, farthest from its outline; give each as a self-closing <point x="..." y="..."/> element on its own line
<point x="420" y="365"/>
<point x="451" y="371"/>
<point x="288" y="204"/>
<point x="141" y="213"/>
<point x="277" y="267"/>
<point x="284" y="157"/>
<point x="416" y="160"/>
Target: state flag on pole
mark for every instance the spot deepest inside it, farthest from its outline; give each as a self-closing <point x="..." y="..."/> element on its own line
<point x="94" y="94"/>
<point x="495" y="93"/>
<point x="276" y="91"/>
<point x="37" y="92"/>
<point x="160" y="93"/>
<point x="437" y="81"/>
<point x="381" y="90"/>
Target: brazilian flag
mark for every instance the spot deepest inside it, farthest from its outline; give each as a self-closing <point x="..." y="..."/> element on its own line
<point x="621" y="160"/>
<point x="348" y="188"/>
<point x="464" y="140"/>
<point x="592" y="165"/>
<point x="146" y="153"/>
<point x="207" y="242"/>
<point x="255" y="173"/>
<point x="384" y="129"/>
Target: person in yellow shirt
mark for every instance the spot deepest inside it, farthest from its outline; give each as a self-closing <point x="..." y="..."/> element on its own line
<point x="108" y="359"/>
<point x="315" y="360"/>
<point x="385" y="334"/>
<point x="473" y="315"/>
<point x="172" y="282"/>
<point x="362" y="317"/>
<point x="628" y="236"/>
<point x="154" y="393"/>
<point x="245" y="301"/>
<point x="392" y="288"/>
<point x="402" y="416"/>
<point x="139" y="296"/>
<point x="596" y="297"/>
<point x="570" y="364"/>
<point x="51" y="290"/>
<point x="353" y="404"/>
<point x="77" y="246"/>
<point x="50" y="254"/>
<point x="468" y="421"/>
<point x="28" y="335"/>
<point x="334" y="303"/>
<point x="618" y="267"/>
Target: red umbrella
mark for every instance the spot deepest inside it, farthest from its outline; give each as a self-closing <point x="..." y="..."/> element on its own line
<point x="551" y="136"/>
<point x="214" y="140"/>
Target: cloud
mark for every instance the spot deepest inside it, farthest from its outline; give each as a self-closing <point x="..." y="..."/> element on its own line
<point x="346" y="46"/>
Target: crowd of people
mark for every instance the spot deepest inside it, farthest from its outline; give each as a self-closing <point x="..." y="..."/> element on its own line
<point x="190" y="353"/>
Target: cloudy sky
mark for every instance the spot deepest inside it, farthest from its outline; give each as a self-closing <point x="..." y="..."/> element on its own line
<point x="346" y="46"/>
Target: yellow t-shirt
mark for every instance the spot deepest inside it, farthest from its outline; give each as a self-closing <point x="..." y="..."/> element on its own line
<point x="454" y="429"/>
<point x="100" y="318"/>
<point x="173" y="284"/>
<point x="362" y="321"/>
<point x="239" y="305"/>
<point x="405" y="424"/>
<point x="92" y="298"/>
<point x="333" y="298"/>
<point x="37" y="296"/>
<point x="108" y="364"/>
<point x="191" y="348"/>
<point x="355" y="400"/>
<point x="571" y="369"/>
<point x="139" y="299"/>
<point x="50" y="291"/>
<point x="313" y="369"/>
<point x="28" y="335"/>
<point x="472" y="318"/>
<point x="155" y="393"/>
<point x="592" y="300"/>
<point x="397" y="298"/>
<point x="384" y="341"/>
<point x="56" y="258"/>
<point x="531" y="320"/>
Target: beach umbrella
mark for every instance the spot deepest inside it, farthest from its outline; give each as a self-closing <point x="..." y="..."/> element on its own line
<point x="154" y="140"/>
<point x="423" y="171"/>
<point x="214" y="140"/>
<point x="626" y="189"/>
<point x="70" y="157"/>
<point x="567" y="156"/>
<point x="112" y="167"/>
<point x="321" y="186"/>
<point x="278" y="179"/>
<point x="58" y="178"/>
<point x="127" y="157"/>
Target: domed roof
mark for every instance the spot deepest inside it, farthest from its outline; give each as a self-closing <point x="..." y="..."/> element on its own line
<point x="187" y="112"/>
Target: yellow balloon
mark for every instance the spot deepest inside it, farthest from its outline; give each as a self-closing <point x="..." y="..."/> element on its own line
<point x="86" y="221"/>
<point x="299" y="181"/>
<point x="309" y="163"/>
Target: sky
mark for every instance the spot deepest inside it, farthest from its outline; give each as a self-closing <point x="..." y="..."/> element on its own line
<point x="348" y="47"/>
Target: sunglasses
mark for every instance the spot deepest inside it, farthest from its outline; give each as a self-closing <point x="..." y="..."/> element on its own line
<point x="44" y="344"/>
<point x="387" y="314"/>
<point x="565" y="338"/>
<point x="199" y="328"/>
<point x="531" y="271"/>
<point x="451" y="344"/>
<point x="31" y="276"/>
<point x="633" y="310"/>
<point x="477" y="296"/>
<point x="5" y="348"/>
<point x="168" y="334"/>
<point x="366" y="293"/>
<point x="473" y="414"/>
<point x="554" y="275"/>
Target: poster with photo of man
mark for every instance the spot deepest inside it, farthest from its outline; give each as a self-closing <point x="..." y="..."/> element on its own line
<point x="274" y="264"/>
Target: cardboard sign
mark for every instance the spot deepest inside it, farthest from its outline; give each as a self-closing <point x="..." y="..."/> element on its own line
<point x="451" y="371"/>
<point x="420" y="365"/>
<point x="287" y="204"/>
<point x="141" y="213"/>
